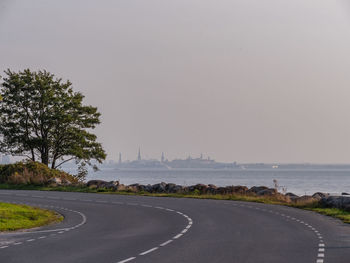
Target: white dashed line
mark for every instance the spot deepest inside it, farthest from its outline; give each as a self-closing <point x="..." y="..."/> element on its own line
<point x="166" y="243"/>
<point x="177" y="236"/>
<point x="127" y="260"/>
<point x="148" y="251"/>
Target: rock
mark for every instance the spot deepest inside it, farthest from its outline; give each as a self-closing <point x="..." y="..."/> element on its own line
<point x="344" y="193"/>
<point x="199" y="187"/>
<point x="341" y="202"/>
<point x="121" y="187"/>
<point x="169" y="188"/>
<point x="319" y="195"/>
<point x="66" y="182"/>
<point x="112" y="185"/>
<point x="291" y="196"/>
<point x="159" y="188"/>
<point x="148" y="188"/>
<point x="221" y="190"/>
<point x="132" y="188"/>
<point x="55" y="181"/>
<point x="267" y="192"/>
<point x="256" y="189"/>
<point x="96" y="183"/>
<point x="212" y="189"/>
<point x="305" y="199"/>
<point x="174" y="188"/>
<point x="239" y="189"/>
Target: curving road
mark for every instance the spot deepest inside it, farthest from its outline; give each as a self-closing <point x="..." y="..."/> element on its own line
<point x="117" y="229"/>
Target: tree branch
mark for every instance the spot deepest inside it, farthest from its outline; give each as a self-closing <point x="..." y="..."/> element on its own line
<point x="64" y="162"/>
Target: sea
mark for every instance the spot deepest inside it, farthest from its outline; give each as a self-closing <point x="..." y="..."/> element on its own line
<point x="297" y="181"/>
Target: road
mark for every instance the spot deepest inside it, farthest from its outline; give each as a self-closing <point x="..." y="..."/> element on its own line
<point x="118" y="229"/>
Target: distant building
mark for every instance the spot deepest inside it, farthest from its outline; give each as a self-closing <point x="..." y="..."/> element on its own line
<point x="139" y="155"/>
<point x="120" y="158"/>
<point x="163" y="158"/>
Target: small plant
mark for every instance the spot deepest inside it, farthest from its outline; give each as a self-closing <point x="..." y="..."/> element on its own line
<point x="278" y="188"/>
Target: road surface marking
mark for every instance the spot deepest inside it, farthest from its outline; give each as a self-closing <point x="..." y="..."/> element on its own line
<point x="127" y="260"/>
<point x="177" y="236"/>
<point x="166" y="243"/>
<point x="148" y="251"/>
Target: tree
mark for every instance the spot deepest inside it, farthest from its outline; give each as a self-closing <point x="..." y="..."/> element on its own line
<point x="42" y="118"/>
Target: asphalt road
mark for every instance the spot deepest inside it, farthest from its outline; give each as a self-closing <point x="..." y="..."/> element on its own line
<point x="117" y="229"/>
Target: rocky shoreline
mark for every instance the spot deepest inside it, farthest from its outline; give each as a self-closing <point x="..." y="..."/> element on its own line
<point x="324" y="199"/>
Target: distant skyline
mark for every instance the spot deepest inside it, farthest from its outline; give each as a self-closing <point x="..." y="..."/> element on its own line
<point x="239" y="80"/>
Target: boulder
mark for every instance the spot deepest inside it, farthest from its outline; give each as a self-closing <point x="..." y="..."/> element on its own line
<point x="121" y="187"/>
<point x="96" y="183"/>
<point x="221" y="190"/>
<point x="319" y="195"/>
<point x="305" y="199"/>
<point x="159" y="188"/>
<point x="291" y="195"/>
<point x="199" y="187"/>
<point x="341" y="202"/>
<point x="212" y="189"/>
<point x="237" y="189"/>
<point x="267" y="192"/>
<point x="174" y="188"/>
<point x="132" y="188"/>
<point x="55" y="181"/>
<point x="66" y="182"/>
<point x="345" y="193"/>
<point x="256" y="189"/>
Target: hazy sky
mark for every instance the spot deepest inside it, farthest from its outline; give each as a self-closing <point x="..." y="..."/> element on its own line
<point x="239" y="80"/>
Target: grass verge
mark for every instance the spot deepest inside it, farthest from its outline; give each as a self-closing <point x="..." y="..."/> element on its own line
<point x="15" y="217"/>
<point x="333" y="212"/>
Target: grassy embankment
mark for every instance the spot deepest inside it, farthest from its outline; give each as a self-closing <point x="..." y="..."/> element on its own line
<point x="15" y="217"/>
<point x="314" y="206"/>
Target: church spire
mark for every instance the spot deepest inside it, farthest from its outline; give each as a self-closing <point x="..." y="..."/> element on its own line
<point x="139" y="155"/>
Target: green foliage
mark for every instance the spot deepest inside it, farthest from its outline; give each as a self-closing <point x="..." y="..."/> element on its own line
<point x="32" y="173"/>
<point x="14" y="217"/>
<point x="41" y="117"/>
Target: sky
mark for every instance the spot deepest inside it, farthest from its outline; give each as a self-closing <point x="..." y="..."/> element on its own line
<point x="236" y="80"/>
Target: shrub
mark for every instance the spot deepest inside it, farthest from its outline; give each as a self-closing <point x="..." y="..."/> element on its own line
<point x="31" y="173"/>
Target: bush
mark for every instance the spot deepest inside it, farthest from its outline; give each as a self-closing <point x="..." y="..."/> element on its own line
<point x="31" y="173"/>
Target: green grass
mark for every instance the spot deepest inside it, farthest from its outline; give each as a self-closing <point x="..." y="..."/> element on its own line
<point x="334" y="212"/>
<point x="15" y="217"/>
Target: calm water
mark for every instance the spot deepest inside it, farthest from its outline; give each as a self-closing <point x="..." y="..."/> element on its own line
<point x="296" y="181"/>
